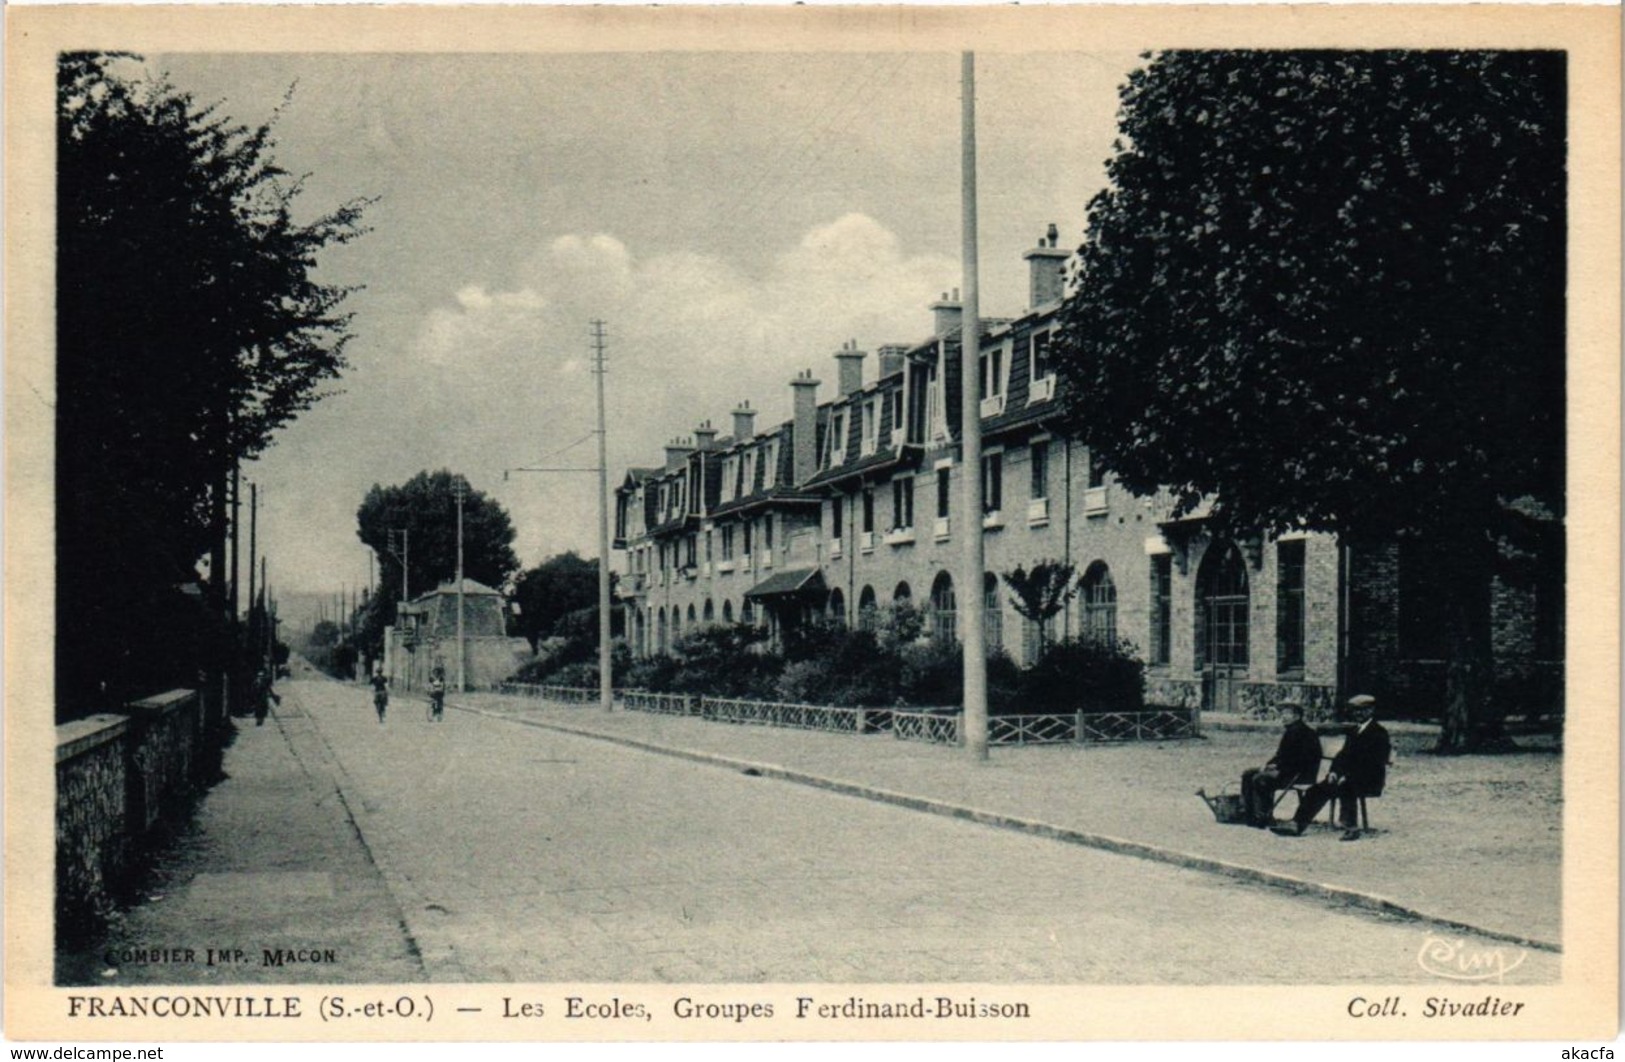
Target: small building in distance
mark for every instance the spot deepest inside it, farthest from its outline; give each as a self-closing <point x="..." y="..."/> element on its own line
<point x="425" y="635"/>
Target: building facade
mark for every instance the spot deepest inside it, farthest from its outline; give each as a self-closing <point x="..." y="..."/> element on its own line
<point x="851" y="506"/>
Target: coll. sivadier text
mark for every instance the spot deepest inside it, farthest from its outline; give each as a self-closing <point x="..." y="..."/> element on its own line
<point x="1436" y="1007"/>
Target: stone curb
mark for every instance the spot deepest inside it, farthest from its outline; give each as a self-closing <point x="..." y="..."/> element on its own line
<point x="1332" y="893"/>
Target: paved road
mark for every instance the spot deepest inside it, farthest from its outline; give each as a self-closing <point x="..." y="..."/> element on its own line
<point x="523" y="854"/>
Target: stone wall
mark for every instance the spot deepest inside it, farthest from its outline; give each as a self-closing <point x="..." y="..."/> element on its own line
<point x="117" y="778"/>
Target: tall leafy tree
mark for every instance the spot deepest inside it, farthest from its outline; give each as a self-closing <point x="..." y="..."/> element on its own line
<point x="189" y="329"/>
<point x="1325" y="290"/>
<point x="425" y="508"/>
<point x="553" y="590"/>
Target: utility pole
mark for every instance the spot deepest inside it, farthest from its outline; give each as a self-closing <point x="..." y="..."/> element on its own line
<point x="253" y="543"/>
<point x="461" y="489"/>
<point x="236" y="499"/>
<point x="606" y="681"/>
<point x="972" y="600"/>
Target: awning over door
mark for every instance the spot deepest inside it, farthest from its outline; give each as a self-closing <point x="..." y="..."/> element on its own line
<point x="782" y="584"/>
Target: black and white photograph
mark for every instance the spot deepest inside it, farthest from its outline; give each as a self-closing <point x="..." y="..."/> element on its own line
<point x="791" y="525"/>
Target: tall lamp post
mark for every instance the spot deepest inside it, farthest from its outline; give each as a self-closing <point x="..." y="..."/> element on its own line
<point x="462" y="646"/>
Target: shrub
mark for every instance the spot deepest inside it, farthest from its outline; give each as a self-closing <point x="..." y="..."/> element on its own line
<point x="1081" y="675"/>
<point x="654" y="673"/>
<point x="840" y="667"/>
<point x="726" y="660"/>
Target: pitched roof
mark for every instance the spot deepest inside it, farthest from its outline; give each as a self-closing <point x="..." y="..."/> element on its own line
<point x="793" y="581"/>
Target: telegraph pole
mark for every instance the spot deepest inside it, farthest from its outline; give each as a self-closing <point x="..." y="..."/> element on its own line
<point x="606" y="681"/>
<point x="972" y="600"/>
<point x="462" y="647"/>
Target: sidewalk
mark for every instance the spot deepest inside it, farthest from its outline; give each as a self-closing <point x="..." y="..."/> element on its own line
<point x="271" y="847"/>
<point x="1470" y="842"/>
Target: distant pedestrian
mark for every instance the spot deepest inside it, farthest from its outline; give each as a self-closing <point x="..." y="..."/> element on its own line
<point x="380" y="693"/>
<point x="1360" y="769"/>
<point x="437" y="693"/>
<point x="263" y="695"/>
<point x="1296" y="760"/>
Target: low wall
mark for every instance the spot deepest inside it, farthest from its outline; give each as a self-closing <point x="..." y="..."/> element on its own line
<point x="117" y="778"/>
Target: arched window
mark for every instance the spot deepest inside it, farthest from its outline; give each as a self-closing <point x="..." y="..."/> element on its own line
<point x="944" y="609"/>
<point x="660" y="632"/>
<point x="727" y="612"/>
<point x="676" y="624"/>
<point x="1098" y="596"/>
<point x="837" y="607"/>
<point x="710" y="614"/>
<point x="902" y="595"/>
<point x="1222" y="605"/>
<point x="868" y="611"/>
<point x="691" y="617"/>
<point x="993" y="617"/>
<point x="747" y="613"/>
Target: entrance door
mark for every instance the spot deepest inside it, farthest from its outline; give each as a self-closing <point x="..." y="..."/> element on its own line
<point x="1221" y="618"/>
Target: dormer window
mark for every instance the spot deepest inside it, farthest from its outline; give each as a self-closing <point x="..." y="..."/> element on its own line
<point x="871" y="424"/>
<point x="837" y="437"/>
<point x="770" y="464"/>
<point x="730" y="482"/>
<point x="899" y="431"/>
<point x="936" y="426"/>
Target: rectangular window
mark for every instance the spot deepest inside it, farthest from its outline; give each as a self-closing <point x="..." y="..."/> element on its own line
<point x="1041" y="366"/>
<point x="837" y="438"/>
<point x="1040" y="469"/>
<point x="767" y="531"/>
<point x="708" y="547"/>
<point x="749" y="524"/>
<point x="896" y="400"/>
<point x="868" y="511"/>
<point x="1289" y="605"/>
<point x="728" y="543"/>
<point x="902" y="503"/>
<point x="1097" y="471"/>
<point x="936" y="427"/>
<point x="871" y="425"/>
<point x="692" y="550"/>
<point x="942" y="493"/>
<point x="991" y="365"/>
<point x="836" y="517"/>
<point x="1162" y="598"/>
<point x="770" y="464"/>
<point x="992" y="483"/>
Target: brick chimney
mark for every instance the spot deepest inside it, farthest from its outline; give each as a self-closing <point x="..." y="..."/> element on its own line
<point x="705" y="436"/>
<point x="850" y="360"/>
<point x="677" y="452"/>
<point x="805" y="404"/>
<point x="893" y="356"/>
<point x="1046" y="265"/>
<point x="744" y="422"/>
<point x="946" y="313"/>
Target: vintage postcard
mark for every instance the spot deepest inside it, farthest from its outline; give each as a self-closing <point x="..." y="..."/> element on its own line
<point x="812" y="524"/>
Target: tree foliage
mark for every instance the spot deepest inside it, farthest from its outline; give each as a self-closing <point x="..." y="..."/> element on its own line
<point x="1039" y="594"/>
<point x="425" y="508"/>
<point x="552" y="590"/>
<point x="1325" y="290"/>
<point x="189" y="329"/>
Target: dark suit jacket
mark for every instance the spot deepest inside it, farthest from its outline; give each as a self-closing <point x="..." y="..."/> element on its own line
<point x="1297" y="758"/>
<point x="1363" y="760"/>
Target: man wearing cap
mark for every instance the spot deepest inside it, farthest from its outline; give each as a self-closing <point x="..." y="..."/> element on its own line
<point x="1359" y="769"/>
<point x="1296" y="759"/>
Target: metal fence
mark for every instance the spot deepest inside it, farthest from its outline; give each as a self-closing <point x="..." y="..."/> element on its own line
<point x="938" y="728"/>
<point x="563" y="694"/>
<point x="660" y="703"/>
<point x="1158" y="724"/>
<point x="794" y="716"/>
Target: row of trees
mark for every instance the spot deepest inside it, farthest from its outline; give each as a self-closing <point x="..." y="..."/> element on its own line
<point x="189" y="330"/>
<point x="1325" y="290"/>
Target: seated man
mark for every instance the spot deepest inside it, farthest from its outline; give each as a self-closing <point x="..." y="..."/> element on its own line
<point x="1296" y="759"/>
<point x="1359" y="769"/>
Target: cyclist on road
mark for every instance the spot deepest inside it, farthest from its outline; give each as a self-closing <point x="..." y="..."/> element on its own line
<point x="380" y="693"/>
<point x="437" y="693"/>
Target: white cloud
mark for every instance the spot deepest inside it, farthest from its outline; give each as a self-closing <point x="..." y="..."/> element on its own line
<point x="689" y="337"/>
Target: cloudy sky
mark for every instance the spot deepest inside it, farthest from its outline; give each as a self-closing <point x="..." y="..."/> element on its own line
<point x="732" y="218"/>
